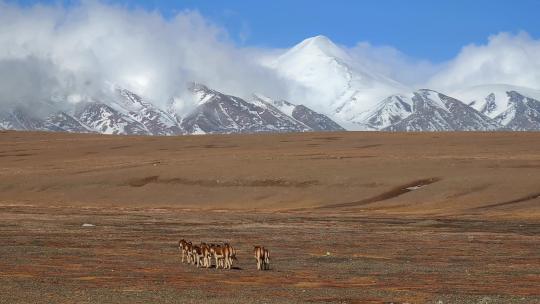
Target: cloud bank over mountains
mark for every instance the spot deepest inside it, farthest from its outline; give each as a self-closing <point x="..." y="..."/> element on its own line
<point x="506" y="58"/>
<point x="50" y="50"/>
<point x="68" y="53"/>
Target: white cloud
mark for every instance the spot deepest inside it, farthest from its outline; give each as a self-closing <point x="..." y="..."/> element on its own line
<point x="394" y="64"/>
<point x="53" y="49"/>
<point x="505" y="59"/>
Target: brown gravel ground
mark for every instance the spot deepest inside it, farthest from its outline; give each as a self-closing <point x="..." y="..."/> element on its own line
<point x="130" y="256"/>
<point x="348" y="217"/>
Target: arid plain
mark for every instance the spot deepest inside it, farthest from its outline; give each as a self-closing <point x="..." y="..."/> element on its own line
<point x="349" y="217"/>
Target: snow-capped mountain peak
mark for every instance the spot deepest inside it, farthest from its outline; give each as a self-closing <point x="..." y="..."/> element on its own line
<point x="513" y="107"/>
<point x="492" y="100"/>
<point x="324" y="77"/>
<point x="202" y="93"/>
<point x="389" y="111"/>
<point x="318" y="46"/>
<point x="283" y="105"/>
<point x="433" y="111"/>
<point x="316" y="64"/>
<point x="434" y="98"/>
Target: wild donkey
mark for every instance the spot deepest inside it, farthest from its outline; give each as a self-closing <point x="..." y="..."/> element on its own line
<point x="183" y="248"/>
<point x="197" y="253"/>
<point x="263" y="257"/>
<point x="201" y="255"/>
<point x="206" y="262"/>
<point x="229" y="255"/>
<point x="219" y="255"/>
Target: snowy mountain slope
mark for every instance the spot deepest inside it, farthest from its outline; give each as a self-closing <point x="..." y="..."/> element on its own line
<point x="63" y="122"/>
<point x="522" y="113"/>
<point x="116" y="111"/>
<point x="83" y="117"/>
<point x="104" y="119"/>
<point x="324" y="78"/>
<point x="315" y="121"/>
<point x="433" y="111"/>
<point x="283" y="105"/>
<point x="155" y="120"/>
<point x="20" y="119"/>
<point x="388" y="112"/>
<point x="220" y="113"/>
<point x="492" y="100"/>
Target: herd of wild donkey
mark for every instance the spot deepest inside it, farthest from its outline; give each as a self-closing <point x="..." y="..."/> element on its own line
<point x="224" y="255"/>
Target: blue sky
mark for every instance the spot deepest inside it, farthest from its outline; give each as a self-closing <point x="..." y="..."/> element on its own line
<point x="423" y="29"/>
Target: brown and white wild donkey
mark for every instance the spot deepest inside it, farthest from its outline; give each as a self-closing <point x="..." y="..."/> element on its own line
<point x="206" y="262"/>
<point x="262" y="255"/>
<point x="229" y="255"/>
<point x="183" y="248"/>
<point x="219" y="255"/>
<point x="201" y="255"/>
<point x="198" y="255"/>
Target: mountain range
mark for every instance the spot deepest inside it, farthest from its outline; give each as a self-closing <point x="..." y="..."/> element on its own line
<point x="329" y="91"/>
<point x="129" y="114"/>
